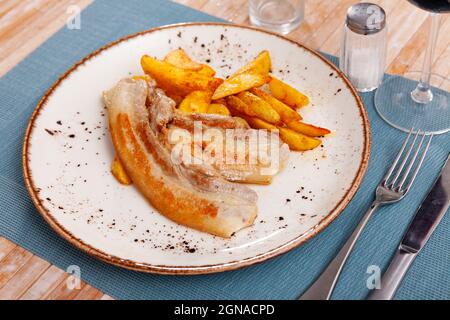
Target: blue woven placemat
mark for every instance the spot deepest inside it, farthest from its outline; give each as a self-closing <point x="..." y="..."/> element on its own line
<point x="282" y="278"/>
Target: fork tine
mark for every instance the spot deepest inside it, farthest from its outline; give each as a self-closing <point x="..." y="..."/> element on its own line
<point x="397" y="158"/>
<point x="420" y="164"/>
<point x="405" y="159"/>
<point x="411" y="163"/>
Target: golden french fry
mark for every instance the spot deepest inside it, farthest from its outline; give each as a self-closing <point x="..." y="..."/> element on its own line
<point x="144" y="77"/>
<point x="262" y="64"/>
<point x="196" y="102"/>
<point x="179" y="58"/>
<point x="287" y="94"/>
<point x="260" y="107"/>
<point x="119" y="172"/>
<point x="240" y="106"/>
<point x="176" y="81"/>
<point x="286" y="113"/>
<point x="221" y="101"/>
<point x="217" y="108"/>
<point x="307" y="129"/>
<point x="297" y="141"/>
<point x="207" y="71"/>
<point x="239" y="83"/>
<point x="242" y="122"/>
<point x="257" y="123"/>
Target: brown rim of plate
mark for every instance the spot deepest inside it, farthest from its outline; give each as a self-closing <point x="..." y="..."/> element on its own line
<point x="205" y="269"/>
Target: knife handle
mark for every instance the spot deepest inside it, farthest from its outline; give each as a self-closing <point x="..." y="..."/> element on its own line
<point x="393" y="276"/>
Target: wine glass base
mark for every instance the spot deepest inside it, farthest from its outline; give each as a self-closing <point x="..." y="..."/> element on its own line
<point x="395" y="105"/>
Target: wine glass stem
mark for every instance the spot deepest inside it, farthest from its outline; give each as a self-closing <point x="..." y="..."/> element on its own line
<point x="423" y="94"/>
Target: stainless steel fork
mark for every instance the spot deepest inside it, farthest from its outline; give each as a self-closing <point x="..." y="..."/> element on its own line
<point x="392" y="188"/>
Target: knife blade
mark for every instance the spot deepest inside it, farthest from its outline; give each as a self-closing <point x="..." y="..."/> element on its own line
<point x="425" y="221"/>
<point x="430" y="213"/>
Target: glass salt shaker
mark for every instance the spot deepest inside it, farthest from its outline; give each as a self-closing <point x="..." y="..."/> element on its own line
<point x="364" y="44"/>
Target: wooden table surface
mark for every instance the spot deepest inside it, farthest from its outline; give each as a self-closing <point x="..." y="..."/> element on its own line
<point x="26" y="24"/>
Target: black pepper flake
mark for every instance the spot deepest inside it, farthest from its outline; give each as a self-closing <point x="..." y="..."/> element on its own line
<point x="288" y="200"/>
<point x="71" y="136"/>
<point x="208" y="60"/>
<point x="179" y="34"/>
<point x="50" y="132"/>
<point x="222" y="37"/>
<point x="59" y="122"/>
<point x="280" y="219"/>
<point x="203" y="45"/>
<point x="195" y="39"/>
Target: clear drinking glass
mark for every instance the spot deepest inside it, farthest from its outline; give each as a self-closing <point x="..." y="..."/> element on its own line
<point x="281" y="16"/>
<point x="423" y="103"/>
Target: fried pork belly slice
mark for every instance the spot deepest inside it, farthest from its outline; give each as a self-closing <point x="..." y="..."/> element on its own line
<point x="239" y="156"/>
<point x="164" y="119"/>
<point x="187" y="196"/>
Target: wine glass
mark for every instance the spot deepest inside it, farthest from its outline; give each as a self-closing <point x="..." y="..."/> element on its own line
<point x="423" y="101"/>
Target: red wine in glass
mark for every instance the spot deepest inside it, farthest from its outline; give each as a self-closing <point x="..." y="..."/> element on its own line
<point x="436" y="6"/>
<point x="421" y="103"/>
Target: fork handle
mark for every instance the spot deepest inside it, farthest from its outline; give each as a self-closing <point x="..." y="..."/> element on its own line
<point x="323" y="287"/>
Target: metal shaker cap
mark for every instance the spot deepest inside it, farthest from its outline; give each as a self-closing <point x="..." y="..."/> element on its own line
<point x="366" y="18"/>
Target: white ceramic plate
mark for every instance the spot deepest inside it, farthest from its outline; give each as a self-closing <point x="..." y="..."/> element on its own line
<point x="68" y="152"/>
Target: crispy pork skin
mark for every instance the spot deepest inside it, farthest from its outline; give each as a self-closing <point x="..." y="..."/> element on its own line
<point x="139" y="117"/>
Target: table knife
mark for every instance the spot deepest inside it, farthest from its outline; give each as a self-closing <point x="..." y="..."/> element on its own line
<point x="419" y="231"/>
